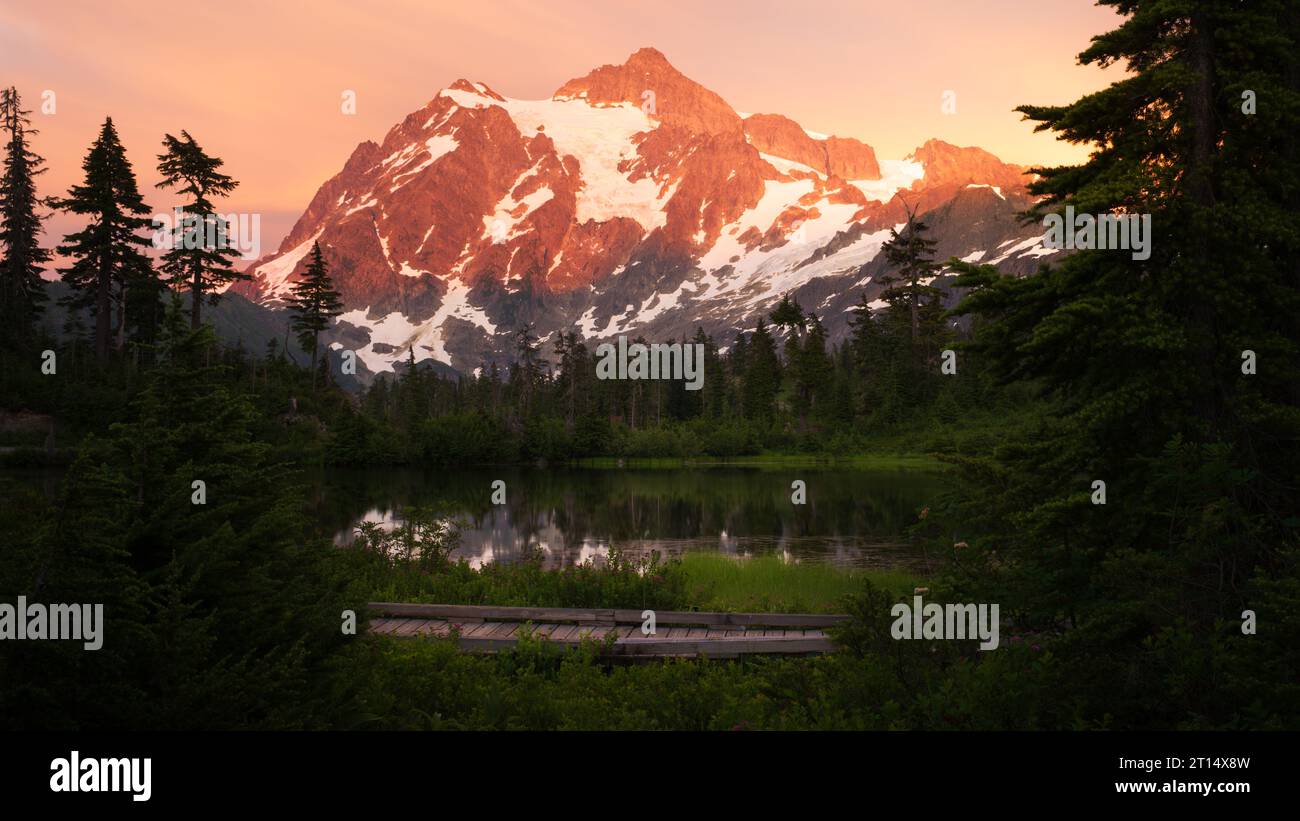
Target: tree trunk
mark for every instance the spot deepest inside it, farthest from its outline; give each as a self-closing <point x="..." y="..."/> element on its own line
<point x="916" y="314"/>
<point x="196" y="291"/>
<point x="102" y="318"/>
<point x="121" y="318"/>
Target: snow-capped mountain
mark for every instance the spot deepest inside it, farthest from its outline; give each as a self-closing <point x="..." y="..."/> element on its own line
<point x="634" y="201"/>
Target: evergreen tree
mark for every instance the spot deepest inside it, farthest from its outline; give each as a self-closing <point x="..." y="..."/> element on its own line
<point x="313" y="304"/>
<point x="814" y="371"/>
<point x="762" y="379"/>
<point x="909" y="253"/>
<point x="22" y="291"/>
<point x="107" y="255"/>
<point x="200" y="259"/>
<point x="1145" y="363"/>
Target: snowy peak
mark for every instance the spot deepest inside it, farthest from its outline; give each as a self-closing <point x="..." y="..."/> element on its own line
<point x="947" y="164"/>
<point x="612" y="210"/>
<point x="833" y="156"/>
<point x="647" y="80"/>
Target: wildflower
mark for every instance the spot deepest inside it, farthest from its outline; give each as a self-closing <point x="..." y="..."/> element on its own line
<point x="960" y="546"/>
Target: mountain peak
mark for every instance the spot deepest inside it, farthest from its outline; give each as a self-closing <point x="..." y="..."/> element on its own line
<point x="648" y="80"/>
<point x="948" y="164"/>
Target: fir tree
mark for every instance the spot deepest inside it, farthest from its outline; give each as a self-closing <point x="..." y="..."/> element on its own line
<point x="909" y="253"/>
<point x="108" y="260"/>
<point x="1142" y="360"/>
<point x="313" y="304"/>
<point x="762" y="379"/>
<point x="22" y="291"/>
<point x="200" y="259"/>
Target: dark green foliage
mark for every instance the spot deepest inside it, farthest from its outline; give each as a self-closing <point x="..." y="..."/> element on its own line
<point x="200" y="259"/>
<point x="22" y="292"/>
<point x="109" y="266"/>
<point x="1140" y="365"/>
<point x="314" y="304"/>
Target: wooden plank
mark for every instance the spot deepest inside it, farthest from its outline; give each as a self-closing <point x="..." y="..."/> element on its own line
<point x="380" y="626"/>
<point x="396" y="624"/>
<point x="563" y="632"/>
<point x="482" y="631"/>
<point x="679" y="618"/>
<point x="409" y="627"/>
<point x="672" y="618"/>
<point x="429" y="626"/>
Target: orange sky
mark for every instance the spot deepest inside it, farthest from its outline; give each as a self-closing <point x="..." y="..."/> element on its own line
<point x="267" y="98"/>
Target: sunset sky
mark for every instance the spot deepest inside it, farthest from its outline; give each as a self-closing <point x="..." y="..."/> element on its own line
<point x="260" y="83"/>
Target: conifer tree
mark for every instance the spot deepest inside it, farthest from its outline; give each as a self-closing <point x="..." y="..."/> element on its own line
<point x="1142" y="357"/>
<point x="762" y="379"/>
<point x="22" y="292"/>
<point x="200" y="259"/>
<point x="910" y="255"/>
<point x="313" y="304"/>
<point x="107" y="255"/>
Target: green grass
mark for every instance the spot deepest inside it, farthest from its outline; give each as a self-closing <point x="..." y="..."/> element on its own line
<point x="867" y="461"/>
<point x="769" y="584"/>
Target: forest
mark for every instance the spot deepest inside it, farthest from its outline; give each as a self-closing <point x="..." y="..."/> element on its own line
<point x="1174" y="380"/>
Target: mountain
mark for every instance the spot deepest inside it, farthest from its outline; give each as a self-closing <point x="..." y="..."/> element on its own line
<point x="633" y="201"/>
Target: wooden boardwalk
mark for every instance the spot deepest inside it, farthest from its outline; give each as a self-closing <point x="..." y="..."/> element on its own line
<point x="714" y="635"/>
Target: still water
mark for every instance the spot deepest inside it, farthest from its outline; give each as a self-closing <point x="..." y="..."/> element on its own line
<point x="851" y="517"/>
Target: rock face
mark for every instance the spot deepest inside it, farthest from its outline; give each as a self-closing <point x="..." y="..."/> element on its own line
<point x="833" y="156"/>
<point x="609" y="210"/>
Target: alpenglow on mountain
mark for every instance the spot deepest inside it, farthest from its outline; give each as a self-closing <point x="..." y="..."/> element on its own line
<point x="634" y="201"/>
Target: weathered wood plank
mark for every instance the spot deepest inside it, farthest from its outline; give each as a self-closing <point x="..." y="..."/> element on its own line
<point x="711" y="638"/>
<point x="679" y="618"/>
<point x="467" y="612"/>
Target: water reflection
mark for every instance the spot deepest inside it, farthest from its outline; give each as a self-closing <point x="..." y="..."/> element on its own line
<point x="852" y="517"/>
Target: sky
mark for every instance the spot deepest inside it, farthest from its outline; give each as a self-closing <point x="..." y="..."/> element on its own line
<point x="260" y="84"/>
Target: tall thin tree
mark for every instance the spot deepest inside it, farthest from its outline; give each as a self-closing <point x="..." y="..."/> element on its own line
<point x="107" y="255"/>
<point x="200" y="259"/>
<point x="313" y="304"/>
<point x="22" y="292"/>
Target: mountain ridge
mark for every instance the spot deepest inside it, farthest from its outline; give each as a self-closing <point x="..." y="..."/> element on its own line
<point x="634" y="200"/>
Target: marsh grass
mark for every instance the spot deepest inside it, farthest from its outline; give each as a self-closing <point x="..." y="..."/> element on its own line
<point x="769" y="584"/>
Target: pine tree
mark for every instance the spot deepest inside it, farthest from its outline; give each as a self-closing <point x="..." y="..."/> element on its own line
<point x="762" y="380"/>
<point x="1140" y="358"/>
<point x="200" y="259"/>
<point x="814" y="371"/>
<point x="22" y="291"/>
<point x="107" y="255"/>
<point x="909" y="253"/>
<point x="313" y="304"/>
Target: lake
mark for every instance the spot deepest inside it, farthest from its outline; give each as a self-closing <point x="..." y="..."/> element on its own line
<point x="852" y="517"/>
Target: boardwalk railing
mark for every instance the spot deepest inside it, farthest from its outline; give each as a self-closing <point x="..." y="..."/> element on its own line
<point x="677" y="633"/>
